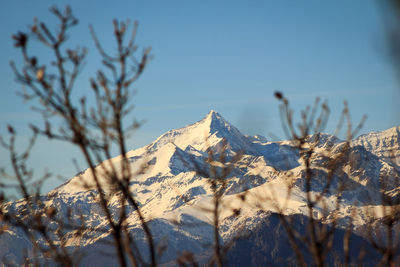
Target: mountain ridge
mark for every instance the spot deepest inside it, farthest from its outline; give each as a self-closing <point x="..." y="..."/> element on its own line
<point x="171" y="189"/>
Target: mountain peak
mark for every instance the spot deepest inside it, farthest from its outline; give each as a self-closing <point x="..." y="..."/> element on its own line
<point x="209" y="131"/>
<point x="213" y="115"/>
<point x="215" y="122"/>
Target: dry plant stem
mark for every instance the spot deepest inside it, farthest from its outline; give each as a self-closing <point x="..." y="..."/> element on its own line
<point x="215" y="183"/>
<point x="112" y="99"/>
<point x="117" y="106"/>
<point x="217" y="246"/>
<point x="218" y="180"/>
<point x="36" y="222"/>
<point x="81" y="141"/>
<point x="318" y="238"/>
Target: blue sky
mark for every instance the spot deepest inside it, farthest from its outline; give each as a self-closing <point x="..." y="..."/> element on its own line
<point x="225" y="55"/>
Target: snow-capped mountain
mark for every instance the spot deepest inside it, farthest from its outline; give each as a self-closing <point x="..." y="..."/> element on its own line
<point x="175" y="194"/>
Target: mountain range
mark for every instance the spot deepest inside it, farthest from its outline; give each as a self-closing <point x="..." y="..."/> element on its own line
<point x="265" y="185"/>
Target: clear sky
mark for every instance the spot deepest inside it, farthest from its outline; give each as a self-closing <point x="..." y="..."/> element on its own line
<point x="225" y="55"/>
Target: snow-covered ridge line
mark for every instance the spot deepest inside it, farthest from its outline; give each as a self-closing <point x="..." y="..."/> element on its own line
<point x="171" y="190"/>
